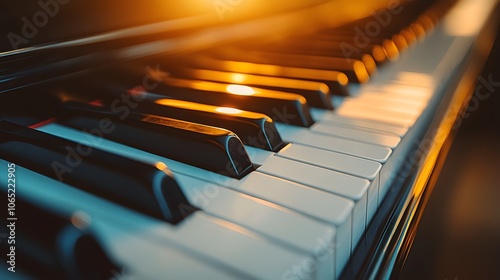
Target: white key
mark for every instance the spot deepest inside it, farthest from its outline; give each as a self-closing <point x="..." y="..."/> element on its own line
<point x="159" y="260"/>
<point x="395" y="99"/>
<point x="221" y="241"/>
<point x="328" y="176"/>
<point x="380" y="106"/>
<point x="333" y="209"/>
<point x="396" y="90"/>
<point x="390" y="103"/>
<point x="335" y="161"/>
<point x="258" y="156"/>
<point x="295" y="134"/>
<point x="324" y="116"/>
<point x="352" y="109"/>
<point x="373" y="137"/>
<point x="273" y="221"/>
<point x="358" y="190"/>
<point x="375" y="115"/>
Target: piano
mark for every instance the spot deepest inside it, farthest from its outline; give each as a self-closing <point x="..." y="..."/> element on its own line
<point x="227" y="139"/>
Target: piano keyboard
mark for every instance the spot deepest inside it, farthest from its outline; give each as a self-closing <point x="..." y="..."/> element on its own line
<point x="316" y="175"/>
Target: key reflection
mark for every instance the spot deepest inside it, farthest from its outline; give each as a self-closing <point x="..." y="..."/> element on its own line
<point x="228" y="110"/>
<point x="240" y="90"/>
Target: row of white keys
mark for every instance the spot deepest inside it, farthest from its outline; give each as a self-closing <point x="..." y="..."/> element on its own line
<point x="376" y="116"/>
<point x="381" y="126"/>
<point x="393" y="103"/>
<point x="326" y="171"/>
<point x="278" y="223"/>
<point x="333" y="212"/>
<point x="340" y="154"/>
<point x="207" y="244"/>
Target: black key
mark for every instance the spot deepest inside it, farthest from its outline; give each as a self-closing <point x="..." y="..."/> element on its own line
<point x="317" y="94"/>
<point x="142" y="187"/>
<point x="335" y="80"/>
<point x="207" y="147"/>
<point x="355" y="70"/>
<point x="52" y="245"/>
<point x="381" y="49"/>
<point x="320" y="48"/>
<point x="280" y="106"/>
<point x="254" y="129"/>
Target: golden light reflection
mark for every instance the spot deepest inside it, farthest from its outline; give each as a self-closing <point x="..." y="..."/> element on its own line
<point x="161" y="166"/>
<point x="342" y="79"/>
<point x="324" y="89"/>
<point x="237" y="78"/>
<point x="289" y="72"/>
<point x="253" y="68"/>
<point x="361" y="72"/>
<point x="179" y="103"/>
<point x="409" y="36"/>
<point x="414" y="78"/>
<point x="467" y="17"/>
<point x="240" y="90"/>
<point x="250" y="80"/>
<point x="418" y="30"/>
<point x="379" y="54"/>
<point x="391" y="50"/>
<point x="400" y="42"/>
<point x="228" y="110"/>
<point x="370" y="64"/>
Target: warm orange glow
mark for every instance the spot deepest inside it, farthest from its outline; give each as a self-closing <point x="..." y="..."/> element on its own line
<point x="228" y="110"/>
<point x="400" y="42"/>
<point x="161" y="166"/>
<point x="370" y="64"/>
<point x="240" y="90"/>
<point x="237" y="78"/>
<point x="157" y="75"/>
<point x="467" y="17"/>
<point x="324" y="88"/>
<point x="193" y="106"/>
<point x="342" y="79"/>
<point x="418" y="30"/>
<point x="379" y="54"/>
<point x="361" y="72"/>
<point x="426" y="22"/>
<point x="391" y="50"/>
<point x="414" y="78"/>
<point x="179" y="103"/>
<point x="409" y="36"/>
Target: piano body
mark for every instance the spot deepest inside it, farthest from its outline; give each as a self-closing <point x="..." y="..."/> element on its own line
<point x="227" y="139"/>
